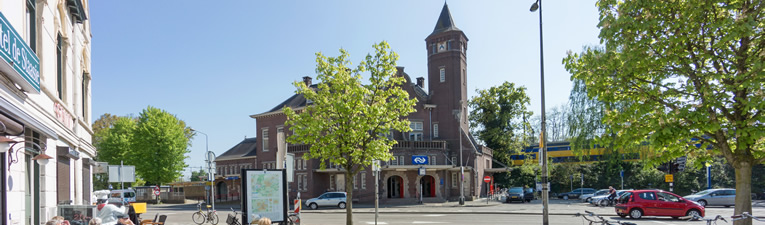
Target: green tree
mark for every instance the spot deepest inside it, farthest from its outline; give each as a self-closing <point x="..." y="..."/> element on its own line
<point x="196" y="174"/>
<point x="689" y="70"/>
<point x="347" y="120"/>
<point x="159" y="145"/>
<point x="497" y="119"/>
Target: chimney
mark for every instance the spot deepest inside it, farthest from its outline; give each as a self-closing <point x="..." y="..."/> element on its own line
<point x="420" y="81"/>
<point x="307" y="81"/>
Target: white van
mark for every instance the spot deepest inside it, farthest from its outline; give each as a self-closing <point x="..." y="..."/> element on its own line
<point x="115" y="196"/>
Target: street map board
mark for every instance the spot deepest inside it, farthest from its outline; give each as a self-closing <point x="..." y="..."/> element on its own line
<point x="265" y="194"/>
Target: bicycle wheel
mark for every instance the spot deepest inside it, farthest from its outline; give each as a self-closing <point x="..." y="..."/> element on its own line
<point x="293" y="220"/>
<point x="198" y="217"/>
<point x="213" y="218"/>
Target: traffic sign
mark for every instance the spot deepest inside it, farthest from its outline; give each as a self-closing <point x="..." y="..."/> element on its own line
<point x="668" y="178"/>
<point x="487" y="179"/>
<point x="156" y="192"/>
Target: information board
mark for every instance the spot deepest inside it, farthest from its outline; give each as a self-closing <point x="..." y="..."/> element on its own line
<point x="265" y="195"/>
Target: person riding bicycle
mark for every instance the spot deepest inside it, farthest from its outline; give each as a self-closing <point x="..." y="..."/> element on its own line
<point x="611" y="193"/>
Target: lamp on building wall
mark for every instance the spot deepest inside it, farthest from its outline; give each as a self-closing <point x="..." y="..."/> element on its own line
<point x="7" y="145"/>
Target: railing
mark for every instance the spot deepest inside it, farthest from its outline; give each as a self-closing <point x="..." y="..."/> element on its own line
<point x="420" y="144"/>
<point x="298" y="148"/>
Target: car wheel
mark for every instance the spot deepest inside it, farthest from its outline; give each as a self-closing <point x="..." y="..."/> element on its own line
<point x="587" y="200"/>
<point x="341" y="205"/>
<point x="603" y="202"/>
<point x="636" y="213"/>
<point x="313" y="206"/>
<point x="565" y="197"/>
<point x="693" y="213"/>
<point x="703" y="203"/>
<point x="727" y="206"/>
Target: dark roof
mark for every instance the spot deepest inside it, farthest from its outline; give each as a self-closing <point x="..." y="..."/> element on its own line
<point x="245" y="148"/>
<point x="445" y="22"/>
<point x="295" y="101"/>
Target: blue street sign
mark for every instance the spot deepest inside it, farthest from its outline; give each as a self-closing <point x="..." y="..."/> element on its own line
<point x="621" y="174"/>
<point x="419" y="159"/>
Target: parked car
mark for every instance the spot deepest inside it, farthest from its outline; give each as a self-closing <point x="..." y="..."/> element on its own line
<point x="602" y="200"/>
<point x="641" y="203"/>
<point x="587" y="197"/>
<point x="327" y="199"/>
<point x="723" y="197"/>
<point x="121" y="196"/>
<point x="576" y="192"/>
<point x="519" y="194"/>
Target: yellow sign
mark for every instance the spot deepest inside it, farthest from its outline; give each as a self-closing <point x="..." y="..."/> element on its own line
<point x="209" y="183"/>
<point x="668" y="178"/>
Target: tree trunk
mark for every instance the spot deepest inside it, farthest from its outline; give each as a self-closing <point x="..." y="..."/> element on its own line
<point x="349" y="198"/>
<point x="743" y="190"/>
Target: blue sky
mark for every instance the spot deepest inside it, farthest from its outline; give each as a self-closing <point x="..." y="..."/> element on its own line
<point x="214" y="63"/>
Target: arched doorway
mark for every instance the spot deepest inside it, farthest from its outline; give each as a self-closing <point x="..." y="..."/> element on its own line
<point x="221" y="191"/>
<point x="428" y="186"/>
<point x="395" y="187"/>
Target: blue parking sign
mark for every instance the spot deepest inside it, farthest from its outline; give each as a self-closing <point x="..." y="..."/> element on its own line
<point x="419" y="160"/>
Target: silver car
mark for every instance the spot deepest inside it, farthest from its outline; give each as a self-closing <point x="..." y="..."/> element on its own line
<point x="588" y="197"/>
<point x="723" y="197"/>
<point x="327" y="199"/>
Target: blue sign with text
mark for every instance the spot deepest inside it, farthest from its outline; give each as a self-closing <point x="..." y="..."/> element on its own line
<point x="21" y="63"/>
<point x="419" y="159"/>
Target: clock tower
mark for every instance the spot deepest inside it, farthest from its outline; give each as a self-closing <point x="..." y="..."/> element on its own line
<point x="447" y="74"/>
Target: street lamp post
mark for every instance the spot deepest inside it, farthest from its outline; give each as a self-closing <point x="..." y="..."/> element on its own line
<point x="543" y="141"/>
<point x="210" y="176"/>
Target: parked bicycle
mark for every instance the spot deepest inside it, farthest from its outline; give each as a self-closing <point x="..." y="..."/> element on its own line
<point x="600" y="220"/>
<point x="709" y="221"/>
<point x="293" y="219"/>
<point x="201" y="217"/>
<point x="746" y="215"/>
<point x="233" y="219"/>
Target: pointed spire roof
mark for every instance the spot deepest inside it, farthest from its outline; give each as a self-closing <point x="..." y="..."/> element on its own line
<point x="445" y="22"/>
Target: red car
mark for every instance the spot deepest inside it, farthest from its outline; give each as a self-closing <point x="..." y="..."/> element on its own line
<point x="639" y="203"/>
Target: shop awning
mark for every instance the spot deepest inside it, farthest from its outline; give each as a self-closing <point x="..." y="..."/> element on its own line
<point x="14" y="112"/>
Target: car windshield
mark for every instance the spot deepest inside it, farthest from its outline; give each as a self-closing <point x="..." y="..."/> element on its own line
<point x="515" y="190"/>
<point x="704" y="192"/>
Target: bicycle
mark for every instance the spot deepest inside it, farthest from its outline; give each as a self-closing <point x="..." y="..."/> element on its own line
<point x="709" y="221"/>
<point x="293" y="219"/>
<point x="233" y="220"/>
<point x="200" y="217"/>
<point x="745" y="215"/>
<point x="601" y="220"/>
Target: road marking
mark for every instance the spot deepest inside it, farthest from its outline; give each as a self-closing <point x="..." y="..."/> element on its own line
<point x="434" y="215"/>
<point x="426" y="222"/>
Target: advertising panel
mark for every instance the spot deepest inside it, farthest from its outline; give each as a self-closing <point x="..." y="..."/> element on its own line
<point x="265" y="195"/>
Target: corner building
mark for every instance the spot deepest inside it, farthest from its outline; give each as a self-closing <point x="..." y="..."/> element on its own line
<point x="46" y="155"/>
<point x="439" y="131"/>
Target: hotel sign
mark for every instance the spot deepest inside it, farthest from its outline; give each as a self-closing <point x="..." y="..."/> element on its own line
<point x="21" y="64"/>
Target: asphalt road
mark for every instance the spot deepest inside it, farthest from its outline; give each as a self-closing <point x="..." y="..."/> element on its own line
<point x="473" y="213"/>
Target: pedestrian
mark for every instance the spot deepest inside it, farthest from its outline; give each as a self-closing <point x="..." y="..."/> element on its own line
<point x="124" y="220"/>
<point x="262" y="221"/>
<point x="59" y="220"/>
<point x="95" y="221"/>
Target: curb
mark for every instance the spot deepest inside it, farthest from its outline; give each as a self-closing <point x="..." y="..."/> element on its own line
<point x="457" y="212"/>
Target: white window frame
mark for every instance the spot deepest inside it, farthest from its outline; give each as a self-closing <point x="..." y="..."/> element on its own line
<point x="454" y="161"/>
<point x="331" y="182"/>
<point x="442" y="74"/>
<point x="432" y="160"/>
<point x="264" y="138"/>
<point x="363" y="180"/>
<point x="355" y="181"/>
<point x="435" y="130"/>
<point x="455" y="179"/>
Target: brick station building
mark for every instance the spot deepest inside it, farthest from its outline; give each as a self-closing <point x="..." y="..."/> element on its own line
<point x="439" y="131"/>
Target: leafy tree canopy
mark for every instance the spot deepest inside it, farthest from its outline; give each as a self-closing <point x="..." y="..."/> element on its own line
<point x="498" y="117"/>
<point x="347" y="121"/>
<point x="687" y="71"/>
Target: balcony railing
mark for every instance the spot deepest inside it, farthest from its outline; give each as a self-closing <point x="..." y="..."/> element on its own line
<point x="298" y="148"/>
<point x="420" y="145"/>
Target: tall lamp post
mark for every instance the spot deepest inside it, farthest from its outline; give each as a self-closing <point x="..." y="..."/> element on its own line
<point x="210" y="176"/>
<point x="543" y="141"/>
